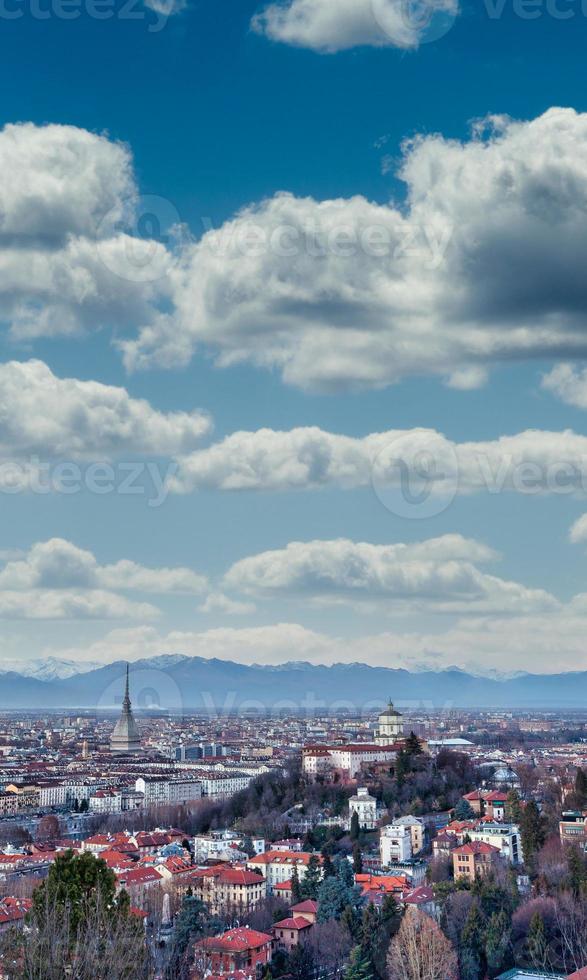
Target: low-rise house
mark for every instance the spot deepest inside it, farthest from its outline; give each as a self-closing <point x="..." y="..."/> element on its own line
<point x="474" y="860"/>
<point x="238" y="949"/>
<point x="226" y="890"/>
<point x="288" y="933"/>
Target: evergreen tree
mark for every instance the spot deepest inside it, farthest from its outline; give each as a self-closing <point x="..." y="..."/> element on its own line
<point x="301" y="963"/>
<point x="473" y="959"/>
<point x="497" y="942"/>
<point x="370" y="935"/>
<point x="355" y="826"/>
<point x="532" y="833"/>
<point x="402" y="767"/>
<point x="412" y="745"/>
<point x="312" y="879"/>
<point x="78" y="885"/>
<point x="357" y="859"/>
<point x="328" y="869"/>
<point x="537" y="943"/>
<point x="581" y="788"/>
<point x="359" y="967"/>
<point x="192" y="922"/>
<point x="577" y="872"/>
<point x="513" y="807"/>
<point x="463" y="810"/>
<point x="296" y="888"/>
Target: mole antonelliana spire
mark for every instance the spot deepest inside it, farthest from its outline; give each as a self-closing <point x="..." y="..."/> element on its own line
<point x="126" y="736"/>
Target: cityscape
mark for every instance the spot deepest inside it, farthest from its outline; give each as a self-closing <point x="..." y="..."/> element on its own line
<point x="293" y="490"/>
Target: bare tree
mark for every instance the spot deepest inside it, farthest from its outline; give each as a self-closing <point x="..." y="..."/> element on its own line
<point x="421" y="951"/>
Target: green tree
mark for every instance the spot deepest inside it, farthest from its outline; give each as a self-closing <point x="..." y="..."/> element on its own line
<point x="464" y="811"/>
<point x="532" y="833"/>
<point x="328" y="869"/>
<point x="355" y="826"/>
<point x="77" y="885"/>
<point x="357" y="859"/>
<point x="312" y="879"/>
<point x="497" y="942"/>
<point x="473" y="959"/>
<point x="581" y="788"/>
<point x="537" y="943"/>
<point x="359" y="967"/>
<point x="577" y="870"/>
<point x="513" y="807"/>
<point x="296" y="888"/>
<point x="192" y="922"/>
<point x="413" y="745"/>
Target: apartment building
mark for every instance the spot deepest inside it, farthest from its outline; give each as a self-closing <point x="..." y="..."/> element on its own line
<point x="395" y="844"/>
<point x="277" y="866"/>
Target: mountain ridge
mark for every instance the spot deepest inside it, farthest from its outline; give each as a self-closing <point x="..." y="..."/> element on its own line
<point x="179" y="682"/>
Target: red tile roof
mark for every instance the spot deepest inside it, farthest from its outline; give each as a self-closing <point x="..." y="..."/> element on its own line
<point x="236" y="940"/>
<point x="295" y="922"/>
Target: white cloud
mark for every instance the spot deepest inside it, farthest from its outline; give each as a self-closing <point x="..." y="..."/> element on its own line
<point x="50" y="416"/>
<point x="578" y="532"/>
<point x="66" y="262"/>
<point x="335" y="25"/>
<point x="217" y="602"/>
<point x="484" y="264"/>
<point x="59" y="564"/>
<point x="71" y="604"/>
<point x="310" y="458"/>
<point x="438" y="574"/>
<point x="568" y="383"/>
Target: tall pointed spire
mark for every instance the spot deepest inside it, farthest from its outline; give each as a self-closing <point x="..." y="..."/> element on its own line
<point x="126" y="736"/>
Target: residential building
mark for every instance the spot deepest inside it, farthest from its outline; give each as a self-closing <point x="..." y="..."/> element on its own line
<point x="395" y="844"/>
<point x="238" y="949"/>
<point x="417" y="831"/>
<point x="365" y="807"/>
<point x="474" y="860"/>
<point x="228" y="891"/>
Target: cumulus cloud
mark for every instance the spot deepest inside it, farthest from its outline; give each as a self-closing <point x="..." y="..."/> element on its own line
<point x="438" y="574"/>
<point x="484" y="264"/>
<point x="71" y="604"/>
<point x="217" y="602"/>
<point x="569" y="383"/>
<point x="533" y="461"/>
<point x="335" y="25"/>
<point x="66" y="262"/>
<point x="41" y="414"/>
<point x="59" y="564"/>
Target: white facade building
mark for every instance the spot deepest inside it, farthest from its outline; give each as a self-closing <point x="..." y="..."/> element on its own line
<point x="365" y="806"/>
<point x="395" y="844"/>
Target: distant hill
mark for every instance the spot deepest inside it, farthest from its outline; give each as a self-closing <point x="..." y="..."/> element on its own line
<point x="173" y="682"/>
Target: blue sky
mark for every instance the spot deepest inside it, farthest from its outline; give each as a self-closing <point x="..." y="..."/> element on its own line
<point x="274" y="545"/>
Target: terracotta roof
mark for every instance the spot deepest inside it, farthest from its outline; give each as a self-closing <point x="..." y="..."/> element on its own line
<point x="295" y="922"/>
<point x="476" y="847"/>
<point x="308" y="906"/>
<point x="236" y="940"/>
